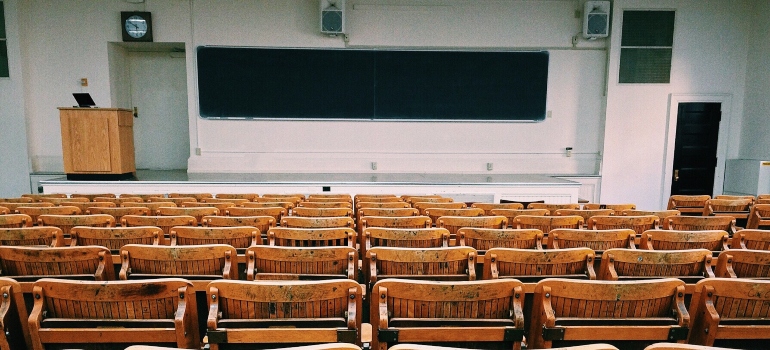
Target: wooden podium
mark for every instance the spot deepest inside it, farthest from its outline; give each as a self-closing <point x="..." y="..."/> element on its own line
<point x="97" y="143"/>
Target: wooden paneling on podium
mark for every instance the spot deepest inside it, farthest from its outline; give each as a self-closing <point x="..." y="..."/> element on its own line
<point x="97" y="143"/>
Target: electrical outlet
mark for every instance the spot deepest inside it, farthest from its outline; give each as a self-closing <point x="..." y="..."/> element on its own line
<point x="83" y="81"/>
<point x="490" y="166"/>
<point x="374" y="165"/>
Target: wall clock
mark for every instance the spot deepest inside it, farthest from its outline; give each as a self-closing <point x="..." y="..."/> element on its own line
<point x="136" y="26"/>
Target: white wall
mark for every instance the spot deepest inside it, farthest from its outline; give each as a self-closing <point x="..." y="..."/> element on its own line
<point x="756" y="123"/>
<point x="709" y="57"/>
<point x="14" y="169"/>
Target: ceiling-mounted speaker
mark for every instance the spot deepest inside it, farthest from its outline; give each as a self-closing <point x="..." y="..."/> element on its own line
<point x="332" y="16"/>
<point x="596" y="19"/>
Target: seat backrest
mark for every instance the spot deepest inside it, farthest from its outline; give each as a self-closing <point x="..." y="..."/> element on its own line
<point x="118" y="213"/>
<point x="239" y="237"/>
<point x="59" y="201"/>
<point x="12" y="206"/>
<point x="511" y="214"/>
<point x="529" y="265"/>
<point x="119" y="201"/>
<point x="91" y="197"/>
<point x="320" y="197"/>
<point x="383" y="205"/>
<point x="637" y="223"/>
<point x="30" y="263"/>
<point x="285" y="205"/>
<point x="263" y="223"/>
<point x="176" y="200"/>
<point x="553" y="207"/>
<point x="689" y="264"/>
<point x="743" y="263"/>
<point x="442" y="310"/>
<point x="143" y="196"/>
<point x="35" y="212"/>
<point x="17" y="200"/>
<point x="732" y="207"/>
<point x="325" y="203"/>
<point x="759" y="217"/>
<point x="115" y="237"/>
<point x="322" y="212"/>
<point x="198" y="196"/>
<point x="751" y="239"/>
<point x="487" y="207"/>
<point x="661" y="214"/>
<point x="688" y="204"/>
<point x="235" y="201"/>
<point x="197" y="212"/>
<point x="454" y="223"/>
<point x="412" y="200"/>
<point x="435" y="213"/>
<point x="483" y="239"/>
<point x="617" y="208"/>
<point x="41" y="196"/>
<point x="330" y="222"/>
<point x="247" y="196"/>
<point x="449" y="263"/>
<point x="260" y="306"/>
<point x="404" y="237"/>
<point x="276" y="212"/>
<point x="153" y="206"/>
<point x="164" y="222"/>
<point x="14" y="315"/>
<point x="84" y="206"/>
<point x="4" y="210"/>
<point x="584" y="213"/>
<point x="422" y="206"/>
<point x="692" y="223"/>
<point x="375" y="199"/>
<point x="222" y="206"/>
<point x="597" y="240"/>
<point x="714" y="240"/>
<point x="290" y="263"/>
<point x="388" y="212"/>
<point x="198" y="262"/>
<point x="15" y="221"/>
<point x="548" y="223"/>
<point x="312" y="237"/>
<point x="67" y="222"/>
<point x="161" y="311"/>
<point x="730" y="309"/>
<point x="49" y="236"/>
<point x="611" y="308"/>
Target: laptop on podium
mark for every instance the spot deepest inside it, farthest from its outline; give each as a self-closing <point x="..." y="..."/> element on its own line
<point x="84" y="100"/>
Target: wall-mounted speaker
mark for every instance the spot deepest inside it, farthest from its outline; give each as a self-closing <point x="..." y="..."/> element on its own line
<point x="332" y="16"/>
<point x="596" y="19"/>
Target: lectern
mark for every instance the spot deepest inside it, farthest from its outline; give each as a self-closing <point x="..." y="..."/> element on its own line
<point x="97" y="143"/>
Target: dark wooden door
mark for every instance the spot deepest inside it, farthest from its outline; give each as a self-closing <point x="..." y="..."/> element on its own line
<point x="695" y="151"/>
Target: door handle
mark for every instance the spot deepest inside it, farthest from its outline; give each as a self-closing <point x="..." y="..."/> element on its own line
<point x="676" y="175"/>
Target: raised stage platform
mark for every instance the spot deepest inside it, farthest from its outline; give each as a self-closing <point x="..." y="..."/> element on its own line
<point x="461" y="187"/>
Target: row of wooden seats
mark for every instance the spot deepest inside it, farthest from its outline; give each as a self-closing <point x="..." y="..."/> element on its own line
<point x="163" y="311"/>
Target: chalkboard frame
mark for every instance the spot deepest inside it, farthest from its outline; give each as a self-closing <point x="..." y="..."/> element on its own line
<point x="357" y="60"/>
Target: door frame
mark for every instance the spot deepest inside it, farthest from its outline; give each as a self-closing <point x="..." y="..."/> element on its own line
<point x="724" y="125"/>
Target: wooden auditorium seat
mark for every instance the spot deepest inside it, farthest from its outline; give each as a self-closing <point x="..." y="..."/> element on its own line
<point x="312" y="237"/>
<point x="47" y="236"/>
<point x="17" y="199"/>
<point x="238" y="202"/>
<point x="598" y="240"/>
<point x="553" y="207"/>
<point x="198" y="196"/>
<point x="475" y="314"/>
<point x="731" y="312"/>
<point x="176" y="200"/>
<point x="247" y="196"/>
<point x="435" y="213"/>
<point x="28" y="264"/>
<point x="434" y="264"/>
<point x="119" y="201"/>
<point x="164" y="222"/>
<point x="637" y="223"/>
<point x="621" y="313"/>
<point x="197" y="212"/>
<point x="688" y="205"/>
<point x="548" y="223"/>
<point x="751" y="239"/>
<point x="115" y="238"/>
<point x="528" y="265"/>
<point x="13" y="317"/>
<point x="84" y="206"/>
<point x="743" y="263"/>
<point x="12" y="206"/>
<point x="277" y="212"/>
<point x="283" y="313"/>
<point x="617" y="208"/>
<point x="422" y="206"/>
<point x="35" y="212"/>
<point x="511" y="214"/>
<point x="59" y="201"/>
<point x="222" y="206"/>
<point x="119" y="212"/>
<point x="322" y="212"/>
<point x="689" y="265"/>
<point x="455" y="223"/>
<point x="661" y="214"/>
<point x="263" y="223"/>
<point x="301" y="263"/>
<point x="584" y="213"/>
<point x="199" y="264"/>
<point x="483" y="239"/>
<point x="67" y="222"/>
<point x="15" y="221"/>
<point x="113" y="314"/>
<point x="706" y="223"/>
<point x="239" y="237"/>
<point x="715" y="240"/>
<point x="759" y="217"/>
<point x="92" y="196"/>
<point x="404" y="238"/>
<point x="487" y="207"/>
<point x="330" y="222"/>
<point x="320" y="203"/>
